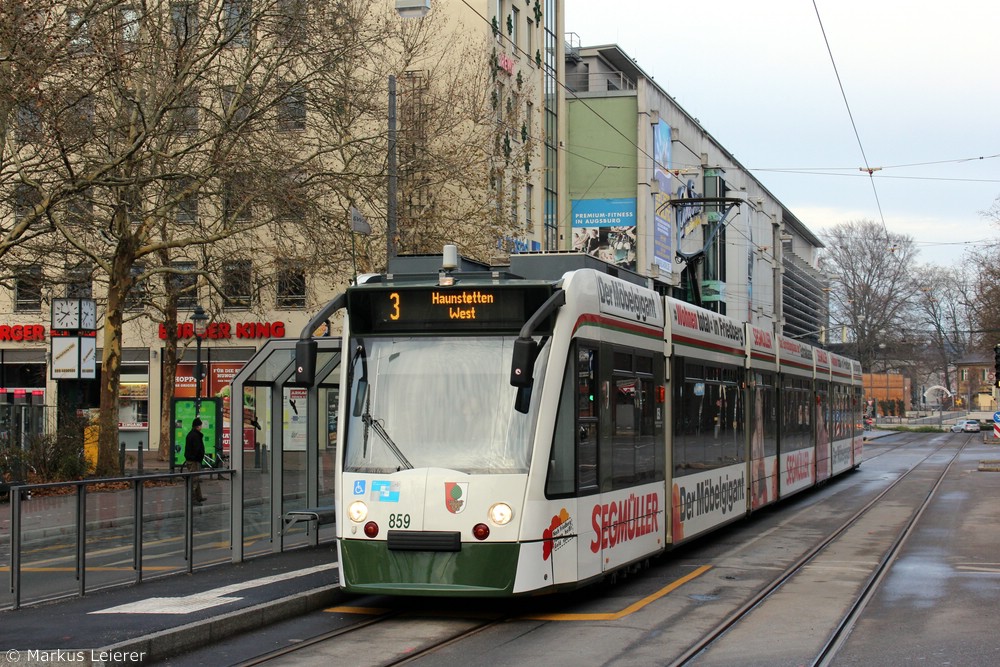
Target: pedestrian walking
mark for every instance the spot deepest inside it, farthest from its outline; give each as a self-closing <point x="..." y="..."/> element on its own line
<point x="194" y="452"/>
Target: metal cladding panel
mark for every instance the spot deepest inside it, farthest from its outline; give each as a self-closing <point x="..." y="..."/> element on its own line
<point x="795" y="357"/>
<point x="705" y="500"/>
<point x="614" y="306"/>
<point x="762" y="350"/>
<point x="703" y="334"/>
<point x="822" y="364"/>
<point x="796" y="471"/>
<point x="857" y="373"/>
<point x="840" y="368"/>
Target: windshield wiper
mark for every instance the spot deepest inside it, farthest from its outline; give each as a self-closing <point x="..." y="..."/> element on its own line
<point x="376" y="426"/>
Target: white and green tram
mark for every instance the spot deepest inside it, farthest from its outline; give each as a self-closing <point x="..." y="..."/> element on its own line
<point x="538" y="427"/>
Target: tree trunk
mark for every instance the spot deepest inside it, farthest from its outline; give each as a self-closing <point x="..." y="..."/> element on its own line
<point x="169" y="372"/>
<point x="111" y="364"/>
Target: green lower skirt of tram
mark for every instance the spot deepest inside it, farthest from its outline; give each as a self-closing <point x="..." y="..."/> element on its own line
<point x="478" y="570"/>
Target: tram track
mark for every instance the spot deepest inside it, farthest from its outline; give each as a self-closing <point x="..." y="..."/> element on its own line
<point x="699" y="650"/>
<point x="406" y="631"/>
<point x="314" y="650"/>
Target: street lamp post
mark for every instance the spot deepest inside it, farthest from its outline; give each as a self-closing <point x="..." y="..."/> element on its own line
<point x="200" y="320"/>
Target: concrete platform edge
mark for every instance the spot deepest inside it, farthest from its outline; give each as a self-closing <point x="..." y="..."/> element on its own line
<point x="188" y="637"/>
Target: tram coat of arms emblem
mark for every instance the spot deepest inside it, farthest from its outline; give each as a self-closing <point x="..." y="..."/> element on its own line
<point x="454" y="496"/>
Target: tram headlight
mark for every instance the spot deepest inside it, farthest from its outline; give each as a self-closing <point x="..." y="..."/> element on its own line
<point x="501" y="514"/>
<point x="357" y="511"/>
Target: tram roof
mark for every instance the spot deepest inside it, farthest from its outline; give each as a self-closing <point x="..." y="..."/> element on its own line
<point x="541" y="266"/>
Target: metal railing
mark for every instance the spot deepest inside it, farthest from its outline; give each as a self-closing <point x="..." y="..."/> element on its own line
<point x="159" y="529"/>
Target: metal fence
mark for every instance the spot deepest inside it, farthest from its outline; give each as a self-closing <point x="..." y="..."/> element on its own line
<point x="68" y="538"/>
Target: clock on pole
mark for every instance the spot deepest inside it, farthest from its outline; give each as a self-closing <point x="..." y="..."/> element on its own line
<point x="66" y="314"/>
<point x="88" y="314"/>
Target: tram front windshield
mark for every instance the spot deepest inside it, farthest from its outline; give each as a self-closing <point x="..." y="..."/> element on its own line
<point x="443" y="402"/>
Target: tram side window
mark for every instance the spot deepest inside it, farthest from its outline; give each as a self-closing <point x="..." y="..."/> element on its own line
<point x="796" y="411"/>
<point x="573" y="460"/>
<point x="858" y="410"/>
<point x="709" y="413"/>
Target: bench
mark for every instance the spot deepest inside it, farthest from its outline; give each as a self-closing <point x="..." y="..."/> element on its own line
<point x="321" y="515"/>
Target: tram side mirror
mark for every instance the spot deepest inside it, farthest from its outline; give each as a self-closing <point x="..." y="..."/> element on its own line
<point x="359" y="398"/>
<point x="305" y="362"/>
<point x="522" y="401"/>
<point x="522" y="363"/>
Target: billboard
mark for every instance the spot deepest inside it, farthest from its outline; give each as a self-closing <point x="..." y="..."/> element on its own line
<point x="605" y="228"/>
<point x="663" y="233"/>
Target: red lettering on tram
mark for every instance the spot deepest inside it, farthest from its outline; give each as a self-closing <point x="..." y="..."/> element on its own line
<point x="625" y="520"/>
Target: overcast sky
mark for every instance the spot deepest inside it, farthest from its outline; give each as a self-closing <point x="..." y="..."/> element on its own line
<point x="920" y="78"/>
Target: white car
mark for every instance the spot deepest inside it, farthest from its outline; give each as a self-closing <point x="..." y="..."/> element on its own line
<point x="965" y="426"/>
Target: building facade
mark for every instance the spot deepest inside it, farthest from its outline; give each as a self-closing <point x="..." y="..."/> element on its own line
<point x="266" y="282"/>
<point x="650" y="189"/>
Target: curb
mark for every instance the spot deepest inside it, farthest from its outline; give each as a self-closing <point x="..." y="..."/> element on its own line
<point x="198" y="634"/>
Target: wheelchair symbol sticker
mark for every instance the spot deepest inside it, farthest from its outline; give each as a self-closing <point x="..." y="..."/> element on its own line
<point x="359" y="487"/>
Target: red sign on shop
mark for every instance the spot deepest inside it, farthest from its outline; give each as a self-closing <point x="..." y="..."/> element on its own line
<point x="22" y="333"/>
<point x="226" y="330"/>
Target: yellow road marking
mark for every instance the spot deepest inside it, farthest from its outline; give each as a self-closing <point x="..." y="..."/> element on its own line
<point x="368" y="611"/>
<point x="631" y="609"/>
<point x="608" y="616"/>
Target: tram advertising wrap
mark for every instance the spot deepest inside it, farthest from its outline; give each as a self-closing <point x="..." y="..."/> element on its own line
<point x="514" y="436"/>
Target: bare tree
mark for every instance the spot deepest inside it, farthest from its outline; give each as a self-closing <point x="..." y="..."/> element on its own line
<point x="177" y="127"/>
<point x="160" y="141"/>
<point x="986" y="264"/>
<point x="942" y="321"/>
<point x="873" y="286"/>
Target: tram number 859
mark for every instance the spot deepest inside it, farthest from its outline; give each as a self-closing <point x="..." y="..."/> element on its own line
<point x="399" y="521"/>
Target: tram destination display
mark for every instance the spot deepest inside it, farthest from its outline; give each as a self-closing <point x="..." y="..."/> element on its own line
<point x="402" y="309"/>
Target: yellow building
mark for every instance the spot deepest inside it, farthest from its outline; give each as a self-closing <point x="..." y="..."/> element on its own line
<point x="881" y="387"/>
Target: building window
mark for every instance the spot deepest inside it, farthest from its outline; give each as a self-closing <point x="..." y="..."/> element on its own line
<point x="293" y="201"/>
<point x="237" y="199"/>
<point x="291" y="23"/>
<point x="26" y="198"/>
<point x="80" y="209"/>
<point x="185" y="115"/>
<point x="79" y="31"/>
<point x="186" y="194"/>
<point x="28" y="122"/>
<point x="136" y="297"/>
<point x="235" y="106"/>
<point x="529" y="198"/>
<point x="28" y="289"/>
<point x="79" y="282"/>
<point x="237" y="277"/>
<point x="529" y="40"/>
<point x="184" y="21"/>
<point x="236" y="22"/>
<point x="291" y="281"/>
<point x="515" y="205"/>
<point x="130" y="26"/>
<point x="292" y="108"/>
<point x="78" y="119"/>
<point x="515" y="18"/>
<point x="183" y="281"/>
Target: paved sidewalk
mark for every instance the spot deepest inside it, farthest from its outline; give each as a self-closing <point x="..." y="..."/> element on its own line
<point x="174" y="614"/>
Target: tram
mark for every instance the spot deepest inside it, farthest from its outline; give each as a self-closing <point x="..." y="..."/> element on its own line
<point x="541" y="427"/>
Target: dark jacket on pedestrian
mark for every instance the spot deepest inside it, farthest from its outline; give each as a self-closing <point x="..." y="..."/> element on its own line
<point x="194" y="445"/>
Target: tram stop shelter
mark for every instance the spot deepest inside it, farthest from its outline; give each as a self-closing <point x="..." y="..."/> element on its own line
<point x="284" y="482"/>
